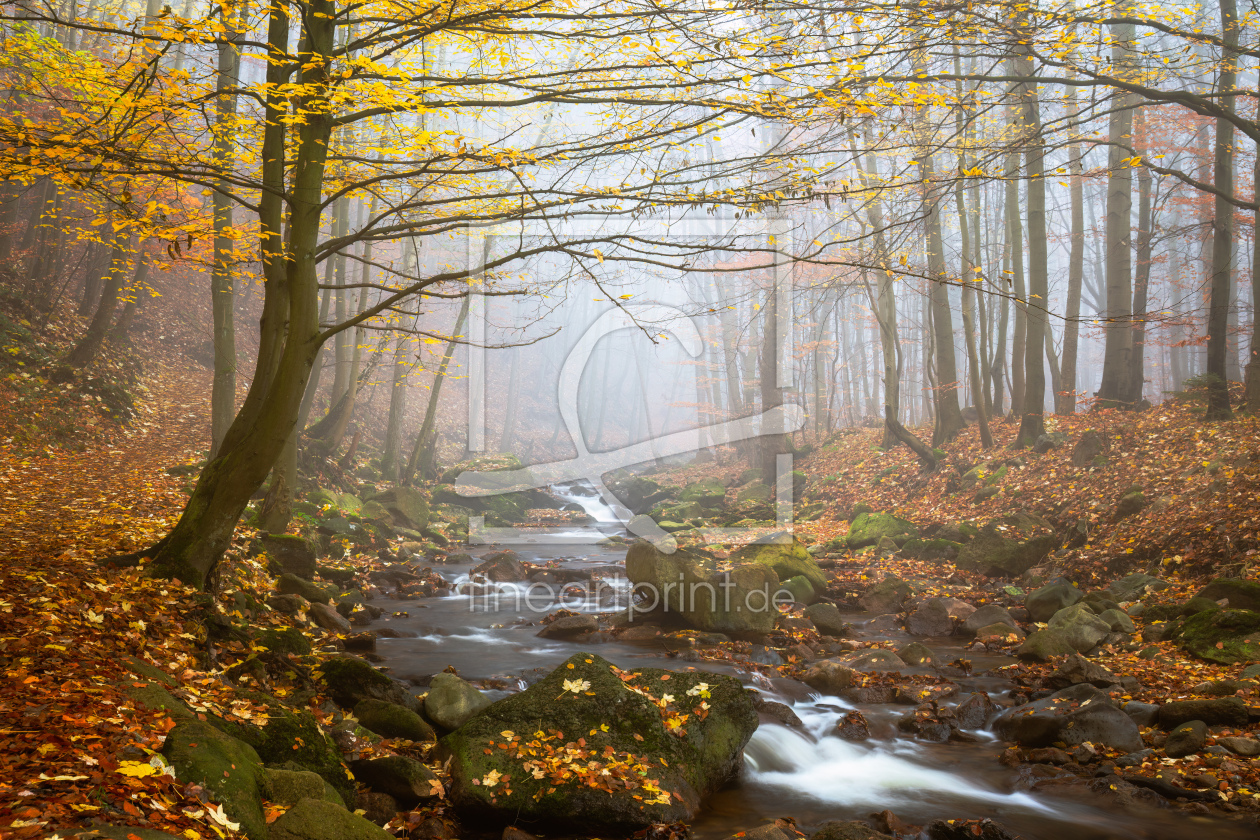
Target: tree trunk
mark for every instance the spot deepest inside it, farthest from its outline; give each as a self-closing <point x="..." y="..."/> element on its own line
<point x="87" y="348"/>
<point x="1015" y="245"/>
<point x="1142" y="273"/>
<point x="773" y="444"/>
<point x="1222" y="224"/>
<point x="429" y="425"/>
<point x="288" y="345"/>
<point x="119" y="334"/>
<point x="1066" y="396"/>
<point x="1252" y="372"/>
<point x="1032" y="424"/>
<point x="390" y="465"/>
<point x="884" y="302"/>
<point x="1117" y="377"/>
<point x="222" y="287"/>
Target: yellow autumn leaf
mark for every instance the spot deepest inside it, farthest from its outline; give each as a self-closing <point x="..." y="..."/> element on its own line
<point x="138" y="769"/>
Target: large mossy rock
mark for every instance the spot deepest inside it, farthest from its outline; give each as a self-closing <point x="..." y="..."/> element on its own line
<point x="1071" y="716"/>
<point x="787" y="556"/>
<point x="869" y="528"/>
<point x="229" y="769"/>
<point x="708" y="493"/>
<point x="1043" y="603"/>
<point x="350" y="680"/>
<point x="887" y="596"/>
<point x="1008" y="547"/>
<point x="403" y="778"/>
<point x="314" y="819"/>
<point x="484" y="463"/>
<point x="292" y="553"/>
<point x="451" y="701"/>
<point x="732" y="597"/>
<point x="1222" y="636"/>
<point x="294" y="737"/>
<point x="668" y="740"/>
<point x="289" y="787"/>
<point x="1079" y="627"/>
<point x="1135" y="586"/>
<point x="638" y="493"/>
<point x="391" y="720"/>
<point x="1242" y="594"/>
<point x="408" y="506"/>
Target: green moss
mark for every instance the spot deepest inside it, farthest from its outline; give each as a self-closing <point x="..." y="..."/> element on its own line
<point x="1222" y="636"/>
<point x="313" y="819"/>
<point x="229" y="769"/>
<point x="392" y="720"/>
<point x="788" y="558"/>
<point x="285" y="640"/>
<point x="868" y="528"/>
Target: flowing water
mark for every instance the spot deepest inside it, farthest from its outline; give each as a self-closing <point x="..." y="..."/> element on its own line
<point x="808" y="774"/>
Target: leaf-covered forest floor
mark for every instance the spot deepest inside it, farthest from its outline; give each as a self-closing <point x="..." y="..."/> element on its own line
<point x="79" y="642"/>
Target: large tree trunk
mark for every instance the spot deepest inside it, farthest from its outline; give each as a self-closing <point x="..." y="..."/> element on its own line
<point x="222" y="287"/>
<point x="1252" y="371"/>
<point x="424" y="437"/>
<point x="1032" y="423"/>
<point x="1015" y="246"/>
<point x="773" y="444"/>
<point x="1117" y="376"/>
<point x="1222" y="224"/>
<point x="390" y="459"/>
<point x="883" y="302"/>
<point x="288" y="345"/>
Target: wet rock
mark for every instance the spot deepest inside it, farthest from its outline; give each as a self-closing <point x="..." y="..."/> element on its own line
<point x="1223" y="711"/>
<point x="769" y="831"/>
<point x="984" y="829"/>
<point x="1048" y="600"/>
<point x="869" y="528"/>
<point x="1090" y="446"/>
<point x="983" y="617"/>
<point x="285" y="640"/>
<point x="999" y="634"/>
<point x="1072" y="716"/>
<point x="1241" y="594"/>
<point x="827" y="620"/>
<point x="735" y="601"/>
<point x="930" y="619"/>
<point x="853" y="727"/>
<point x="689" y="767"/>
<point x="408" y="781"/>
<point x="1009" y="546"/>
<point x="828" y="676"/>
<point x="1118" y="621"/>
<point x="957" y="608"/>
<point x="1049" y="755"/>
<point x="288" y="603"/>
<point x="1186" y="739"/>
<point x="313" y="819"/>
<point x="1135" y="759"/>
<point x="873" y="659"/>
<point x="1042" y="645"/>
<point x="1222" y="636"/>
<point x="328" y="618"/>
<point x="1134" y="586"/>
<point x="974" y="712"/>
<point x="847" y="830"/>
<point x="451" y="701"/>
<point x="502" y="567"/>
<point x="350" y="680"/>
<point x="1222" y="688"/>
<point x="229" y="769"/>
<point x="390" y="720"/>
<point x="1143" y="714"/>
<point x="1079" y="627"/>
<point x="916" y="653"/>
<point x="377" y="808"/>
<point x="569" y="627"/>
<point x="762" y="655"/>
<point x="887" y="596"/>
<point x="640" y="633"/>
<point x="290" y="584"/>
<point x="1077" y="669"/>
<point x="883" y="625"/>
<point x="1240" y="746"/>
<point x="1157" y="631"/>
<point x="771" y="711"/>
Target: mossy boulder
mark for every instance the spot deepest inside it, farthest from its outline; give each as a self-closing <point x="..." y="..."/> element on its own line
<point x="1130" y="503"/>
<point x="869" y="528"/>
<point x="155" y="697"/>
<point x="391" y="720"/>
<point x="291" y="553"/>
<point x="1008" y="547"/>
<point x="1079" y="627"/>
<point x="638" y="493"/>
<point x="285" y="640"/>
<point x="661" y="764"/>
<point x="290" y="584"/>
<point x="315" y="819"/>
<point x="787" y="556"/>
<point x="733" y="598"/>
<point x="934" y="550"/>
<point x="1222" y="636"/>
<point x="485" y="463"/>
<point x="451" y="701"/>
<point x="708" y="493"/>
<point x="887" y="596"/>
<point x="350" y="680"/>
<point x="403" y="778"/>
<point x="289" y="787"/>
<point x="1042" y="645"/>
<point x="292" y="736"/>
<point x="229" y="769"/>
<point x="408" y="507"/>
<point x="1242" y="594"/>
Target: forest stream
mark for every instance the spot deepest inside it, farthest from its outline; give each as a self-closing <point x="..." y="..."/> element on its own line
<point x="807" y="773"/>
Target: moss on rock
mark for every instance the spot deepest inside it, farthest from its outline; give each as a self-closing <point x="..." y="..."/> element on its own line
<point x="229" y="769"/>
<point x="869" y="528"/>
<point x="1222" y="636"/>
<point x="314" y="819"/>
<point x="392" y="720"/>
